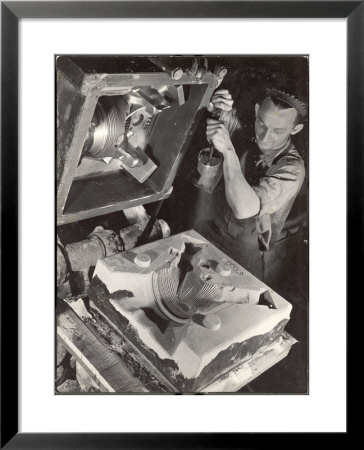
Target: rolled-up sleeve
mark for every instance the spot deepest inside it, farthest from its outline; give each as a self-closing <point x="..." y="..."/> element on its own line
<point x="281" y="183"/>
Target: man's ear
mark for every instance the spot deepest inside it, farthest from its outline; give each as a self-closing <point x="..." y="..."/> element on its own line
<point x="256" y="109"/>
<point x="297" y="128"/>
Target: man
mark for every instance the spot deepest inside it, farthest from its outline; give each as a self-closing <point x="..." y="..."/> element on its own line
<point x="252" y="203"/>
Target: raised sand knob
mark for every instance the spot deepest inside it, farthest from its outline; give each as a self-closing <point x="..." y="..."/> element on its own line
<point x="142" y="260"/>
<point x="177" y="73"/>
<point x="211" y="322"/>
<point x="223" y="268"/>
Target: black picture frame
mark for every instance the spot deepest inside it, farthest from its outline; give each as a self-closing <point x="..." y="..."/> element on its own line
<point x="11" y="12"/>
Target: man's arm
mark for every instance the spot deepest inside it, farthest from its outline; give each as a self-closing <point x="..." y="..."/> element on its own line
<point x="240" y="196"/>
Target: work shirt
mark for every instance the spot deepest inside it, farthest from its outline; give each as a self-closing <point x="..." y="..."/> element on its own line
<point x="276" y="179"/>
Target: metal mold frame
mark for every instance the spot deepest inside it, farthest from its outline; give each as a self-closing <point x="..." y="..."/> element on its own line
<point x="159" y="185"/>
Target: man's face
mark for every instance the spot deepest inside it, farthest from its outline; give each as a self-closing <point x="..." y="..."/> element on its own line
<point x="273" y="126"/>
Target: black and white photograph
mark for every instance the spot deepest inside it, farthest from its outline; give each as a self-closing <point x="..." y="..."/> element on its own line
<point x="181" y="202"/>
<point x="182" y="237"/>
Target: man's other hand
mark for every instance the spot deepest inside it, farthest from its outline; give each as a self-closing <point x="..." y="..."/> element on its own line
<point x="218" y="135"/>
<point x="221" y="100"/>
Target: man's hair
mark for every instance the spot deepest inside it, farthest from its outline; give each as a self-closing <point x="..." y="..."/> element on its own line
<point x="284" y="101"/>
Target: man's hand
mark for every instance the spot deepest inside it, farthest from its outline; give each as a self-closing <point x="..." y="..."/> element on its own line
<point x="221" y="100"/>
<point x="218" y="135"/>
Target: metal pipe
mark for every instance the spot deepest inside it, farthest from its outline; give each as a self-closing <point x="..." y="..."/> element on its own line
<point x="83" y="255"/>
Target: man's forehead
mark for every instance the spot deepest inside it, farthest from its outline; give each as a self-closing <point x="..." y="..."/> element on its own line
<point x="269" y="110"/>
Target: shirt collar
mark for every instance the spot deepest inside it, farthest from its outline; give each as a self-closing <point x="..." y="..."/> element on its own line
<point x="267" y="160"/>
